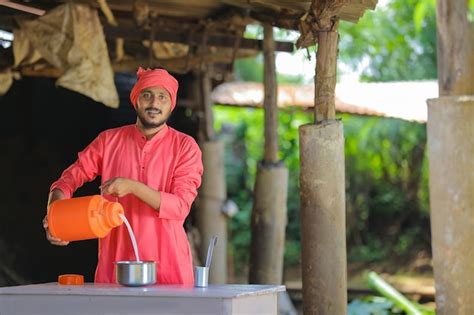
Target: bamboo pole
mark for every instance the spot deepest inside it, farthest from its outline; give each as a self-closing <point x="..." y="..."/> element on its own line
<point x="210" y="218"/>
<point x="325" y="85"/>
<point x="323" y="226"/>
<point x="270" y="96"/>
<point x="322" y="178"/>
<point x="455" y="48"/>
<point x="450" y="149"/>
<point x="269" y="209"/>
<point x="268" y="225"/>
<point x="207" y="121"/>
<point x="212" y="193"/>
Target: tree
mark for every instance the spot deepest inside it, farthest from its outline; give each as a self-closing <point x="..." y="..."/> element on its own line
<point x="393" y="43"/>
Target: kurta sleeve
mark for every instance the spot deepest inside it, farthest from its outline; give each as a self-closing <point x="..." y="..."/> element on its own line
<point x="84" y="169"/>
<point x="175" y="205"/>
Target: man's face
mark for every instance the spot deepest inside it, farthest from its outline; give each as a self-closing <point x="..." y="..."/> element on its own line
<point x="153" y="107"/>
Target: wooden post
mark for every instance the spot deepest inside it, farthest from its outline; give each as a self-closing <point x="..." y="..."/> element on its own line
<point x="325" y="85"/>
<point x="202" y="92"/>
<point x="212" y="193"/>
<point x="322" y="178"/>
<point x="450" y="149"/>
<point x="451" y="152"/>
<point x="210" y="218"/>
<point x="270" y="96"/>
<point x="271" y="186"/>
<point x="455" y="48"/>
<point x="268" y="224"/>
<point x="323" y="224"/>
<point x="208" y="118"/>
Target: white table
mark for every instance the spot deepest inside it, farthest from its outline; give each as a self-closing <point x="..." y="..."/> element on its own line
<point x="51" y="298"/>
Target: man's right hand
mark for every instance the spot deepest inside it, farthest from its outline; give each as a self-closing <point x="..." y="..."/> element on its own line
<point x="54" y="195"/>
<point x="53" y="240"/>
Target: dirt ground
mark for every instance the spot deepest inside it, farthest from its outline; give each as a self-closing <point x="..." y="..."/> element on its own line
<point x="412" y="276"/>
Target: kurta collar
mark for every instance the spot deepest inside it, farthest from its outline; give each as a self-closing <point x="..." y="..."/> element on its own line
<point x="156" y="138"/>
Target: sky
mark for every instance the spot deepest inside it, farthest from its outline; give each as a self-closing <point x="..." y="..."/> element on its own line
<point x="298" y="63"/>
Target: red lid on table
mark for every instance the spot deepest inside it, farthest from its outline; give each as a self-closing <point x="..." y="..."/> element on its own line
<point x="71" y="279"/>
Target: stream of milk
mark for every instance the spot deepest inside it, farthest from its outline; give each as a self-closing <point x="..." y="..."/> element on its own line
<point x="129" y="228"/>
<point x="132" y="236"/>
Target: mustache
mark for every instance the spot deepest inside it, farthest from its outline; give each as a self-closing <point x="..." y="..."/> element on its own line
<point x="154" y="108"/>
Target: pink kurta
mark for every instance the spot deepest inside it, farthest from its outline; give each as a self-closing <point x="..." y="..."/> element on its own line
<point x="171" y="163"/>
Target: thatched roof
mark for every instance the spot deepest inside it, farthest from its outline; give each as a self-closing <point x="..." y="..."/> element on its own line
<point x="182" y="29"/>
<point x="82" y="43"/>
<point x="404" y="100"/>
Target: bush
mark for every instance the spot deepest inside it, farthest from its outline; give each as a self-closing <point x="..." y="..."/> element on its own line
<point x="386" y="181"/>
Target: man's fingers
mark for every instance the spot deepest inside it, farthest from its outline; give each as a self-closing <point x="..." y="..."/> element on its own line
<point x="55" y="241"/>
<point x="103" y="188"/>
<point x="108" y="182"/>
<point x="106" y="187"/>
<point x="62" y="243"/>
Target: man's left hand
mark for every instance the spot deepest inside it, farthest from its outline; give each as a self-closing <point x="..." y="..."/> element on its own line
<point x="118" y="186"/>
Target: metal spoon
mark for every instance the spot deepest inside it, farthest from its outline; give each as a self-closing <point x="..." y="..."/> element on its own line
<point x="210" y="249"/>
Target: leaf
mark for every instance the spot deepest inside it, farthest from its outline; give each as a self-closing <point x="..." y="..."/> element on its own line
<point x="394" y="43"/>
<point x="419" y="15"/>
<point x="470" y="12"/>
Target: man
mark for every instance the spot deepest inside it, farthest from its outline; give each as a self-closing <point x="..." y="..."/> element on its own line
<point x="154" y="171"/>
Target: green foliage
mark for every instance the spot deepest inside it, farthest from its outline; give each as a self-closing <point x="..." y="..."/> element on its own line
<point x="396" y="42"/>
<point x="420" y="13"/>
<point x="386" y="169"/>
<point x="377" y="305"/>
<point x="251" y="69"/>
<point x="470" y="14"/>
<point x="386" y="175"/>
<point x="243" y="134"/>
<point x="371" y="249"/>
<point x="372" y="305"/>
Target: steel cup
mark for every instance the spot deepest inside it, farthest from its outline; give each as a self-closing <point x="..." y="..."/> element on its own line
<point x="201" y="276"/>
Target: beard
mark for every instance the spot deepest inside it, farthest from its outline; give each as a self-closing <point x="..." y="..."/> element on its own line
<point x="150" y="123"/>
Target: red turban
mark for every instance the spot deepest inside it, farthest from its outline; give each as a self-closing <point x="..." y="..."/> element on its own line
<point x="149" y="78"/>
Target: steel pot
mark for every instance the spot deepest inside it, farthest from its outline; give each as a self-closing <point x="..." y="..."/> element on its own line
<point x="134" y="273"/>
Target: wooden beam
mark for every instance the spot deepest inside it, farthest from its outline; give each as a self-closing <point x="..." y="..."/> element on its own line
<point x="218" y="40"/>
<point x="104" y="7"/>
<point x="283" y="21"/>
<point x="22" y="7"/>
<point x="170" y="9"/>
<point x="183" y="64"/>
<point x="141" y="12"/>
<point x="41" y="71"/>
<point x="325" y="12"/>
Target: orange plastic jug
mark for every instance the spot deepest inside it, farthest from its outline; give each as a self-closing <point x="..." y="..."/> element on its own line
<point x="83" y="218"/>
